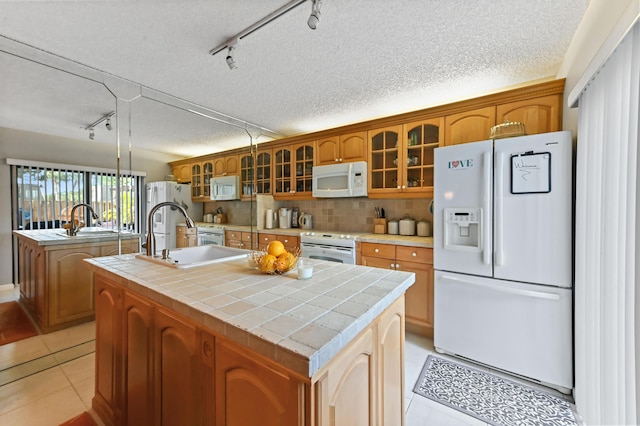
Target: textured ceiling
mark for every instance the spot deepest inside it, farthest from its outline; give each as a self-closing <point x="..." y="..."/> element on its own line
<point x="367" y="59"/>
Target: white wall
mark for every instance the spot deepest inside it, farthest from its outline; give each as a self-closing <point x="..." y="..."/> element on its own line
<point x="38" y="147"/>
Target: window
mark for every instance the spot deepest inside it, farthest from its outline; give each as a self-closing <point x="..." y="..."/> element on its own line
<point x="44" y="196"/>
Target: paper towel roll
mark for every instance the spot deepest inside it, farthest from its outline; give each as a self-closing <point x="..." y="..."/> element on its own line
<point x="268" y="223"/>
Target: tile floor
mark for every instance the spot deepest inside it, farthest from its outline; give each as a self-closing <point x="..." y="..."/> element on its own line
<point x="48" y="379"/>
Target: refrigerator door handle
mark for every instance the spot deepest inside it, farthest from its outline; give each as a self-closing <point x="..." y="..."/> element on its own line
<point x="516" y="291"/>
<point x="486" y="216"/>
<point x="499" y="193"/>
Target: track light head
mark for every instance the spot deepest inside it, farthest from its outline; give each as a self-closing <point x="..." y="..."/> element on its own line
<point x="314" y="18"/>
<point x="230" y="61"/>
<point x="108" y="125"/>
<point x="92" y="134"/>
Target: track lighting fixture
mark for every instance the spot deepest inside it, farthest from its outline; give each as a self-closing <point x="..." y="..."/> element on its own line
<point x="314" y="18"/>
<point x="230" y="61"/>
<point x="91" y="127"/>
<point x="230" y="44"/>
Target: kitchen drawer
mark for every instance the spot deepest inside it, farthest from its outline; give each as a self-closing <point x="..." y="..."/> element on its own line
<point x="265" y="239"/>
<point x="233" y="235"/>
<point x="414" y="254"/>
<point x="289" y="240"/>
<point x="387" y="251"/>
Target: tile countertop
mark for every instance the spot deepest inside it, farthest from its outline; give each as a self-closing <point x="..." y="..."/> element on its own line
<point x="55" y="237"/>
<point x="301" y="324"/>
<point x="402" y="240"/>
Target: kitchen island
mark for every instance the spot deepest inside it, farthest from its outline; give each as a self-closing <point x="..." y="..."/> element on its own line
<point x="225" y="344"/>
<point x="56" y="288"/>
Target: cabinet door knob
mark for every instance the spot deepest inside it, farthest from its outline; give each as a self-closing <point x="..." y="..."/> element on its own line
<point x="404" y="186"/>
<point x="340" y="159"/>
<point x="414" y="254"/>
<point x="337" y="160"/>
<point x="397" y="266"/>
<point x="398" y="186"/>
<point x="286" y="241"/>
<point x="377" y="250"/>
<point x="392" y="266"/>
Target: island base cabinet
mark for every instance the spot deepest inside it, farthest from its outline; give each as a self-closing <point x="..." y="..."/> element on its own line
<point x="364" y="383"/>
<point x="156" y="366"/>
<point x="250" y="392"/>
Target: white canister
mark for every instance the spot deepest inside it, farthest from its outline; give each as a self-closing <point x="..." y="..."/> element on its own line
<point x="424" y="228"/>
<point x="407" y="226"/>
<point x="268" y="219"/>
<point x="392" y="227"/>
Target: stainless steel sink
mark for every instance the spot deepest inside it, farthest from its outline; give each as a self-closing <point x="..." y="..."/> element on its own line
<point x="197" y="256"/>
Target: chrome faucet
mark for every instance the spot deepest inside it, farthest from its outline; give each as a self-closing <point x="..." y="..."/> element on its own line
<point x="151" y="238"/>
<point x="73" y="229"/>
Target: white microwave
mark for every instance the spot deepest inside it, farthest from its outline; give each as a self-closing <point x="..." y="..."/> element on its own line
<point x="225" y="188"/>
<point x="340" y="180"/>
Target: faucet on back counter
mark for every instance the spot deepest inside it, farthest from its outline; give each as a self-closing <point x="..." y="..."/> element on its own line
<point x="72" y="230"/>
<point x="151" y="239"/>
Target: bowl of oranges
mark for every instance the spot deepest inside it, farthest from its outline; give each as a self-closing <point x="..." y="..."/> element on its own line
<point x="275" y="259"/>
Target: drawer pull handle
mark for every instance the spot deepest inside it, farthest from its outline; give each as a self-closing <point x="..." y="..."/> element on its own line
<point x="414" y="254"/>
<point x="376" y="250"/>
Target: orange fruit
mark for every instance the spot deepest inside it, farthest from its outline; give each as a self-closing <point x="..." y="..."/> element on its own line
<point x="268" y="263"/>
<point x="285" y="262"/>
<point x="276" y="248"/>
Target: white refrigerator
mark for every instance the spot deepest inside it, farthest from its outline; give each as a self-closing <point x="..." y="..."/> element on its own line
<point x="503" y="255"/>
<point x="165" y="219"/>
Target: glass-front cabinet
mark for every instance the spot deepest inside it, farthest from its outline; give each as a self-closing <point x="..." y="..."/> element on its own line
<point x="293" y="168"/>
<point x="421" y="139"/>
<point x="247" y="175"/>
<point x="201" y="174"/>
<point x="263" y="172"/>
<point x="401" y="158"/>
<point x="384" y="153"/>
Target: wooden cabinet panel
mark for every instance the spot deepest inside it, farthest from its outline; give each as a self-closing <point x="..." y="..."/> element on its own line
<point x="346" y="393"/>
<point x="469" y="126"/>
<point x="342" y="149"/>
<point x="138" y="390"/>
<point x="226" y="166"/>
<point x="70" y="285"/>
<point x="264" y="175"/>
<point x="251" y="392"/>
<point x="186" y="237"/>
<point x="328" y="151"/>
<point x="176" y="361"/>
<point x="539" y="115"/>
<point x="419" y="297"/>
<point x="387" y="251"/>
<point x="291" y="242"/>
<point x="182" y="173"/>
<point x="128" y="247"/>
<point x="108" y="299"/>
<point x="264" y="240"/>
<point x="391" y="365"/>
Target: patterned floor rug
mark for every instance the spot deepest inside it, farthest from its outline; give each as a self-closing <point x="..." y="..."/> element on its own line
<point x="490" y="398"/>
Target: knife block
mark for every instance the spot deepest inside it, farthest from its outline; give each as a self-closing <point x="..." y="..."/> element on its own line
<point x="380" y="226"/>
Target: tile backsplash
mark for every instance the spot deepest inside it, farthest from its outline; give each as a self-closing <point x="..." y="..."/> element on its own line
<point x="331" y="214"/>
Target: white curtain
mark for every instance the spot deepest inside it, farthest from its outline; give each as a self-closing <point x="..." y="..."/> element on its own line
<point x="607" y="246"/>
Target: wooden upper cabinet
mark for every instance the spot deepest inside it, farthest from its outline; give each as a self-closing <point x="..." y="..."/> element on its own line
<point x="539" y="115"/>
<point x="182" y="173"/>
<point x="469" y="126"/>
<point x="228" y="165"/>
<point x="247" y="178"/>
<point x="264" y="172"/>
<point x="196" y="182"/>
<point x="293" y="169"/>
<point x="342" y="149"/>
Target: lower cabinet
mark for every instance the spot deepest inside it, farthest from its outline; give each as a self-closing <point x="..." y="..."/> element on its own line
<point x="154" y="366"/>
<point x="252" y="393"/>
<point x="186" y="237"/>
<point x="56" y="288"/>
<point x="291" y="242"/>
<point x="363" y="384"/>
<point x="419" y="260"/>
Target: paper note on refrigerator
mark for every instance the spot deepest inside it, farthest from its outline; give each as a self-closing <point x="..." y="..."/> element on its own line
<point x="531" y="173"/>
